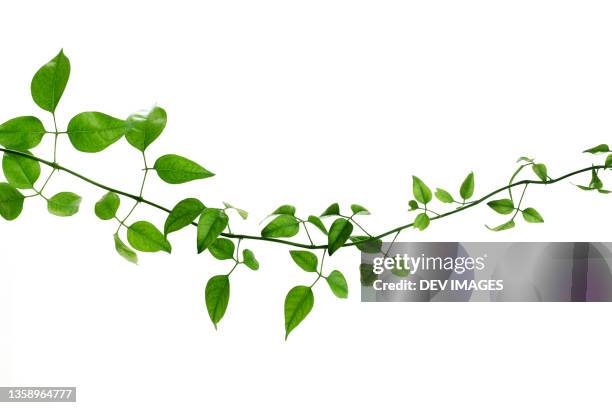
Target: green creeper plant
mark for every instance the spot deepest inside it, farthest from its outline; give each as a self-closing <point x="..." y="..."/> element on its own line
<point x="92" y="132"/>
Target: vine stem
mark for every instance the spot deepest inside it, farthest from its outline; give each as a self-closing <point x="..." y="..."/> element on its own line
<point x="140" y="199"/>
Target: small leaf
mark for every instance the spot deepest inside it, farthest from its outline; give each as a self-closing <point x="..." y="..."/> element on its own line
<point x="585" y="188"/>
<point x="20" y="171"/>
<point x="339" y="233"/>
<point x="144" y="127"/>
<point x="243" y="214"/>
<point x="444" y="196"/>
<point x="21" y="133"/>
<point x="305" y="260"/>
<point x="504" y="206"/>
<point x="64" y="204"/>
<point x="608" y="161"/>
<point x="505" y="226"/>
<point x="92" y="132"/>
<point x="467" y="187"/>
<point x="421" y="192"/>
<point x="413" y="205"/>
<point x="284" y="209"/>
<point x="540" y="171"/>
<point x="531" y="215"/>
<point x="248" y="258"/>
<point x="524" y="159"/>
<point x="400" y="272"/>
<point x="11" y="202"/>
<point x="298" y="303"/>
<point x="333" y="209"/>
<point x="359" y="210"/>
<point x="367" y="244"/>
<point x="282" y="226"/>
<point x="222" y="249"/>
<point x="174" y="169"/>
<point x="106" y="208"/>
<point x="124" y="250"/>
<point x="144" y="236"/>
<point x="217" y="295"/>
<point x="366" y="274"/>
<point x="338" y="284"/>
<point x="50" y="81"/>
<point x="421" y="221"/>
<point x="316" y="221"/>
<point x="211" y="224"/>
<point x="602" y="148"/>
<point x="183" y="214"/>
<point x="596" y="182"/>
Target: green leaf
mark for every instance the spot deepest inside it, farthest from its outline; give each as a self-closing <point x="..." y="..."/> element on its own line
<point x="144" y="127"/>
<point x="124" y="250"/>
<point x="106" y="208"/>
<point x="92" y="132"/>
<point x="596" y="182"/>
<point x="531" y="215"/>
<point x="359" y="210"/>
<point x="298" y="303"/>
<point x="421" y="192"/>
<point x="602" y="148"/>
<point x="444" y="196"/>
<point x="282" y="226"/>
<point x="524" y="159"/>
<point x="50" y="81"/>
<point x="602" y="191"/>
<point x="366" y="274"/>
<point x="222" y="249"/>
<point x="540" y="171"/>
<point x="367" y="244"/>
<point x="413" y="205"/>
<point x="20" y="171"/>
<point x="339" y="233"/>
<point x="504" y="206"/>
<point x="248" y="258"/>
<point x="585" y="188"/>
<point x="21" y="133"/>
<point x="174" y="169"/>
<point x="421" y="221"/>
<point x="211" y="224"/>
<point x="284" y="209"/>
<point x="217" y="295"/>
<point x="608" y="161"/>
<point x="144" y="236"/>
<point x="333" y="209"/>
<point x="338" y="284"/>
<point x="400" y="272"/>
<point x="305" y="260"/>
<point x="467" y="187"/>
<point x="243" y="214"/>
<point x="64" y="204"/>
<point x="505" y="226"/>
<point x="11" y="202"/>
<point x="183" y="214"/>
<point x="316" y="221"/>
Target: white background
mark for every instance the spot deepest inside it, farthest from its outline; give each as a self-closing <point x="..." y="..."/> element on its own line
<point x="306" y="103"/>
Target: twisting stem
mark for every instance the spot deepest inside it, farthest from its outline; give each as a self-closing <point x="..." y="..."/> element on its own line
<point x="471" y="204"/>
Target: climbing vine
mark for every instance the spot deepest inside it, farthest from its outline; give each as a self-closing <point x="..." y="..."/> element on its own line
<point x="92" y="132"/>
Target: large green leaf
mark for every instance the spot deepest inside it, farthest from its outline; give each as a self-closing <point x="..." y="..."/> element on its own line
<point x="282" y="226"/>
<point x="339" y="233"/>
<point x="106" y="207"/>
<point x="144" y="127"/>
<point x="145" y="237"/>
<point x="174" y="169"/>
<point x="298" y="303"/>
<point x="504" y="206"/>
<point x="337" y="284"/>
<point x="183" y="214"/>
<point x="217" y="295"/>
<point x="467" y="187"/>
<point x="540" y="171"/>
<point x="11" y="202"/>
<point x="50" y="81"/>
<point x="602" y="148"/>
<point x="421" y="192"/>
<point x="20" y="171"/>
<point x="92" y="132"/>
<point x="305" y="260"/>
<point x="222" y="249"/>
<point x="64" y="204"/>
<point x="211" y="224"/>
<point x="124" y="250"/>
<point x="21" y="133"/>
